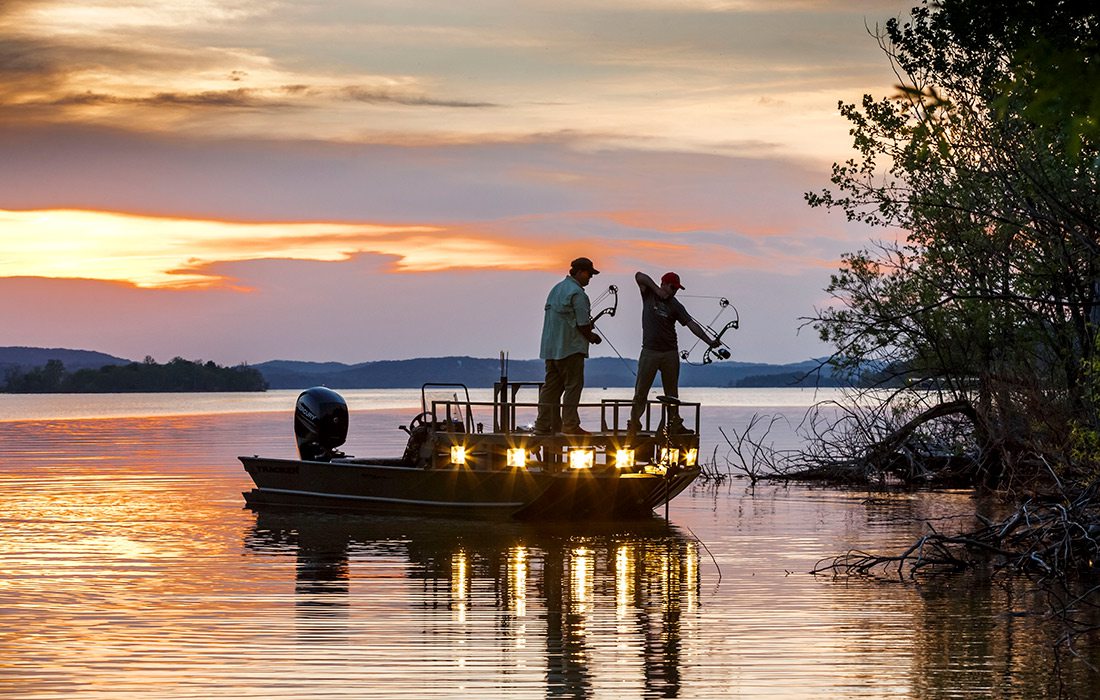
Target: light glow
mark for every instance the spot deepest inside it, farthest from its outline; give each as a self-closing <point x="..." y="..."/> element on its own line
<point x="517" y="457"/>
<point x="459" y="586"/>
<point x="584" y="458"/>
<point x="517" y="580"/>
<point x="458" y="454"/>
<point x="669" y="456"/>
<point x="691" y="456"/>
<point x="624" y="459"/>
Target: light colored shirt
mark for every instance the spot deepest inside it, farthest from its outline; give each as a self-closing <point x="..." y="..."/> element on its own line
<point x="567" y="307"/>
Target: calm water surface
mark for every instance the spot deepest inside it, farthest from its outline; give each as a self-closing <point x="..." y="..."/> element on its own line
<point x="132" y="569"/>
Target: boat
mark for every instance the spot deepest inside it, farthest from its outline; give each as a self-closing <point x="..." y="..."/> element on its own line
<point x="453" y="465"/>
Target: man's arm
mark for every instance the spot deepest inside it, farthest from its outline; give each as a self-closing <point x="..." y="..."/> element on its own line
<point x="701" y="334"/>
<point x="583" y="310"/>
<point x="589" y="334"/>
<point x="646" y="282"/>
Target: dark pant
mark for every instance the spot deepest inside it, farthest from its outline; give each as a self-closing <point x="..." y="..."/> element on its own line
<point x="560" y="394"/>
<point x="649" y="363"/>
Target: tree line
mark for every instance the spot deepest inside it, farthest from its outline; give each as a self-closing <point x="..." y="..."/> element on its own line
<point x="147" y="376"/>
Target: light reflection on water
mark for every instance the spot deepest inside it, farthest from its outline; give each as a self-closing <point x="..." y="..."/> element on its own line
<point x="132" y="569"/>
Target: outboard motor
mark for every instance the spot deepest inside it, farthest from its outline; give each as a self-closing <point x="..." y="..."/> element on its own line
<point x="320" y="424"/>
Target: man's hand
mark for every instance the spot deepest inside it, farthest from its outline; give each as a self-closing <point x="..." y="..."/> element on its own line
<point x="589" y="334"/>
<point x="715" y="344"/>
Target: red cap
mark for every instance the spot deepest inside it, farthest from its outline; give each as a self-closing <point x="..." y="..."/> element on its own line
<point x="673" y="279"/>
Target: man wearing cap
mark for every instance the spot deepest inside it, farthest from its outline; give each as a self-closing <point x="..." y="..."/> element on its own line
<point x="660" y="313"/>
<point x="566" y="333"/>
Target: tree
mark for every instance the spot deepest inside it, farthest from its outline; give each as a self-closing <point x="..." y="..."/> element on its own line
<point x="985" y="164"/>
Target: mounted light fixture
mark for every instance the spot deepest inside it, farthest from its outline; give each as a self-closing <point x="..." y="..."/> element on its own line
<point x="669" y="456"/>
<point x="582" y="458"/>
<point x="624" y="459"/>
<point x="517" y="457"/>
<point x="691" y="456"/>
<point x="458" y="454"/>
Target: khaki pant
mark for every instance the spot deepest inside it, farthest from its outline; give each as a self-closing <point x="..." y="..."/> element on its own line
<point x="560" y="395"/>
<point x="649" y="363"/>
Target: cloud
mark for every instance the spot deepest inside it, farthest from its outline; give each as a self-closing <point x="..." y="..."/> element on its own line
<point x="456" y="153"/>
<point x="669" y="75"/>
<point x="126" y="66"/>
<point x="374" y="95"/>
<point x="162" y="252"/>
<point x="516" y="205"/>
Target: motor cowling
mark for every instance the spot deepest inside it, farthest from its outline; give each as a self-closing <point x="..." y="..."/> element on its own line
<point x="320" y="423"/>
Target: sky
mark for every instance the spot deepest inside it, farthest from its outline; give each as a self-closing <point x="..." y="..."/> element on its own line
<point x="356" y="180"/>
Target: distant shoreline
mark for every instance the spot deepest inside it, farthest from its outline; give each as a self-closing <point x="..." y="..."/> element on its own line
<point x="385" y="374"/>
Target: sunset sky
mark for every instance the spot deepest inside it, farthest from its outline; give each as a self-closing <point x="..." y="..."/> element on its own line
<point x="247" y="180"/>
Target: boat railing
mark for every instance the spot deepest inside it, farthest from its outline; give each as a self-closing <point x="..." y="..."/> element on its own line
<point x="505" y="409"/>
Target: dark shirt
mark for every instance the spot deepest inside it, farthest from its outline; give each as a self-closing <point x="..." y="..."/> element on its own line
<point x="659" y="317"/>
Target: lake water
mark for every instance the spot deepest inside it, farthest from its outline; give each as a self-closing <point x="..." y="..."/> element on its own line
<point x="132" y="569"/>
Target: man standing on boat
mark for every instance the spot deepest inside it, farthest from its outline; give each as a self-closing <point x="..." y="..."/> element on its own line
<point x="566" y="334"/>
<point x="660" y="352"/>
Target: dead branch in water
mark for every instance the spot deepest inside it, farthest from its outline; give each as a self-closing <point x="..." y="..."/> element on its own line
<point x="1054" y="542"/>
<point x="1054" y="539"/>
<point x="920" y="442"/>
<point x="753" y="452"/>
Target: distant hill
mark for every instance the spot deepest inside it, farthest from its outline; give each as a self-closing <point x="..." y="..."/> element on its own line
<point x="472" y="371"/>
<point x="482" y="372"/>
<point x="24" y="358"/>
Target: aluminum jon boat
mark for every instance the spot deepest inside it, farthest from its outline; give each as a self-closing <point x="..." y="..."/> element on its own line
<point x="452" y="466"/>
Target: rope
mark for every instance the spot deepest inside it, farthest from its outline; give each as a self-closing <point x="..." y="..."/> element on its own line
<point x="715" y="561"/>
<point x="608" y="341"/>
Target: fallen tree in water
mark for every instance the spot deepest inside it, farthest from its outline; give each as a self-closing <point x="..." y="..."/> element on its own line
<point x="873" y="437"/>
<point x="1054" y="542"/>
<point x="1050" y="532"/>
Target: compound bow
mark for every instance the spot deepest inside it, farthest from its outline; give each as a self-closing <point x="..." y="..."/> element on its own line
<point x="721" y="352"/>
<point x="613" y="292"/>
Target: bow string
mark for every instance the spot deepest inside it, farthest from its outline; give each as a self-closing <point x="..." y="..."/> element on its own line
<point x="613" y="292"/>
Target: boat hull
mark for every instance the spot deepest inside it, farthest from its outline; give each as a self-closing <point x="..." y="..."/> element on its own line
<point x="502" y="494"/>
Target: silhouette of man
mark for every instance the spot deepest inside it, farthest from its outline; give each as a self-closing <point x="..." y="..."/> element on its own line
<point x="566" y="334"/>
<point x="660" y="353"/>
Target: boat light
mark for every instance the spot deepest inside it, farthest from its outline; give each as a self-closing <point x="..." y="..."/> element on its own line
<point x="458" y="454"/>
<point x="517" y="457"/>
<point x="669" y="455"/>
<point x="624" y="459"/>
<point x="582" y="458"/>
<point x="691" y="456"/>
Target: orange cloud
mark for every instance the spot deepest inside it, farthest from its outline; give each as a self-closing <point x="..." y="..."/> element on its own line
<point x="162" y="252"/>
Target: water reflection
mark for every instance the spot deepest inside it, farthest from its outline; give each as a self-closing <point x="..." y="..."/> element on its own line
<point x="593" y="604"/>
<point x="127" y="575"/>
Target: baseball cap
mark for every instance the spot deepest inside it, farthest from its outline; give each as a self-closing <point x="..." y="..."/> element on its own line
<point x="673" y="279"/>
<point x="583" y="264"/>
